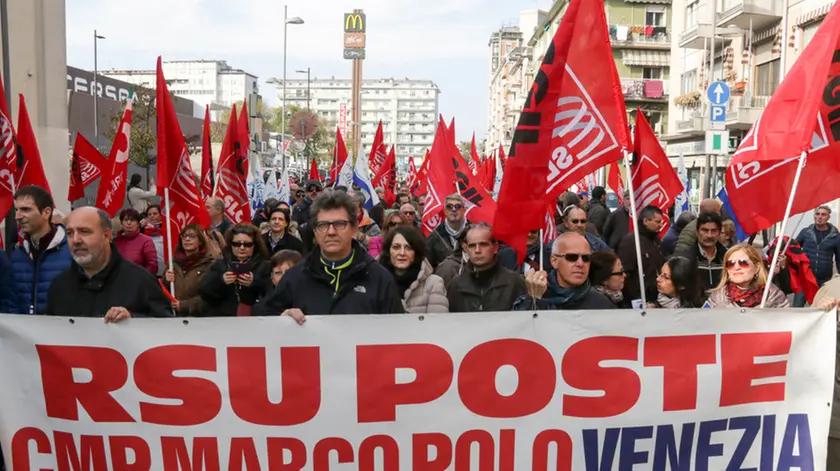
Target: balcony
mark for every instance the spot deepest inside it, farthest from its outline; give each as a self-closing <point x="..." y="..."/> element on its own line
<point x="697" y="37"/>
<point x="640" y="37"/>
<point x="740" y="13"/>
<point x="696" y="122"/>
<point x="644" y="90"/>
<point x="743" y="113"/>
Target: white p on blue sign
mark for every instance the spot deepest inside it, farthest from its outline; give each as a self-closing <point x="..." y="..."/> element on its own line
<point x="718" y="94"/>
<point x="717" y="114"/>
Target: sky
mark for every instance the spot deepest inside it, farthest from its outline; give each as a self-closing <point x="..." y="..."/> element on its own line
<point x="440" y="40"/>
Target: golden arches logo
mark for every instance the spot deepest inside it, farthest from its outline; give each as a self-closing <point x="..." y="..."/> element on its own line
<point x="354" y="22"/>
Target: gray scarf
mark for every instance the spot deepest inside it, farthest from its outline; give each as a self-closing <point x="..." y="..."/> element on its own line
<point x="667" y="302"/>
<point x="453" y="233"/>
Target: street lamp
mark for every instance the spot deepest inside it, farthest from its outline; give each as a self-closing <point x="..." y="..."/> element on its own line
<point x="307" y="85"/>
<point x="286" y="22"/>
<point x="96" y="38"/>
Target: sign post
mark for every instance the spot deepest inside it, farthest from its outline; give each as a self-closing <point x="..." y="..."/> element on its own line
<point x="717" y="138"/>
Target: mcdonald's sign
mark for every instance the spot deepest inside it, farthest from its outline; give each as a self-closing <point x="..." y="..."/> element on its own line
<point x="355" y="22"/>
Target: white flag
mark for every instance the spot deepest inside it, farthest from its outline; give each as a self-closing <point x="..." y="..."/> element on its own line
<point x="500" y="173"/>
<point x="284" y="192"/>
<point x="272" y="190"/>
<point x="345" y="175"/>
<point x="255" y="183"/>
<point x="681" y="201"/>
<point x="361" y="177"/>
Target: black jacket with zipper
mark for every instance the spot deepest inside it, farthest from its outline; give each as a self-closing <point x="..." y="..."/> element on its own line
<point x="495" y="289"/>
<point x="364" y="287"/>
<point x="440" y="245"/>
<point x="224" y="299"/>
<point x="120" y="284"/>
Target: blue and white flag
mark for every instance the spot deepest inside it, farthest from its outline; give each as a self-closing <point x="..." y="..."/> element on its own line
<point x="345" y="175"/>
<point x="681" y="201"/>
<point x="284" y="189"/>
<point x="271" y="188"/>
<point x="740" y="234"/>
<point x="255" y="184"/>
<point x="361" y="177"/>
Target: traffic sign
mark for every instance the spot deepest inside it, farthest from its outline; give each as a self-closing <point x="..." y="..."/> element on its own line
<point x="717" y="114"/>
<point x="717" y="142"/>
<point x="718" y="93"/>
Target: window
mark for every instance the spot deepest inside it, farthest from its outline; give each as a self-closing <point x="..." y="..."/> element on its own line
<point x="655" y="16"/>
<point x="767" y="77"/>
<point x="688" y="82"/>
<point x="691" y="14"/>
<point x="654" y="73"/>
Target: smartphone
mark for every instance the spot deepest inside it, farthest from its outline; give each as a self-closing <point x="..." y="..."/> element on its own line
<point x="239" y="268"/>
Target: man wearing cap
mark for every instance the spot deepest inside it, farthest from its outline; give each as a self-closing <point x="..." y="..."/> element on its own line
<point x="300" y="212"/>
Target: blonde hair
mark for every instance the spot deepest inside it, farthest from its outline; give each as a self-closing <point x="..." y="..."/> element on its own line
<point x="755" y="259"/>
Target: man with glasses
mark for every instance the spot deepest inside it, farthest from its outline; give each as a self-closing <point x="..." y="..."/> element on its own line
<point x="338" y="276"/>
<point x="409" y="215"/>
<point x="300" y="211"/>
<point x="650" y="223"/>
<point x="444" y="239"/>
<point x="567" y="286"/>
<point x="576" y="220"/>
<point x="485" y="285"/>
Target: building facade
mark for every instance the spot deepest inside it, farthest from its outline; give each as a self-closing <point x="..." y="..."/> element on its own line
<point x="408" y="110"/>
<point x="755" y="43"/>
<point x="205" y="82"/>
<point x="640" y="33"/>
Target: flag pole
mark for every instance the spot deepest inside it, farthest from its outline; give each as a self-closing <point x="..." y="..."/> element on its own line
<point x="169" y="237"/>
<point x="541" y="251"/>
<point x="774" y="262"/>
<point x="634" y="215"/>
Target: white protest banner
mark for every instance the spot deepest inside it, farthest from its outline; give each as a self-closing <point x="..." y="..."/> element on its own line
<point x="609" y="390"/>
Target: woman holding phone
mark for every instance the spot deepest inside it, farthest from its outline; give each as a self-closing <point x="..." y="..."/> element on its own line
<point x="241" y="277"/>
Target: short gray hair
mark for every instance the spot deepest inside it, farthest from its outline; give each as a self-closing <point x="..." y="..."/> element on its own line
<point x="104" y="219"/>
<point x="823" y="207"/>
<point x="455" y="197"/>
<point x="334" y="200"/>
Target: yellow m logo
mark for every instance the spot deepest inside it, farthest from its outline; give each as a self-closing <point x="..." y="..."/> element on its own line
<point x="354" y="23"/>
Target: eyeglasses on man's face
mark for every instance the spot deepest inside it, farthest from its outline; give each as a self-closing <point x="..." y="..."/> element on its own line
<point x="324" y="226"/>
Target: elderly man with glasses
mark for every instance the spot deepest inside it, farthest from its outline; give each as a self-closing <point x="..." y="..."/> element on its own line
<point x="300" y="212"/>
<point x="567" y="285"/>
<point x="338" y="276"/>
<point x="444" y="239"/>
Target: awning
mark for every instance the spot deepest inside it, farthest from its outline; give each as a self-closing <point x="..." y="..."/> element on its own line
<point x="813" y="15"/>
<point x="646" y="58"/>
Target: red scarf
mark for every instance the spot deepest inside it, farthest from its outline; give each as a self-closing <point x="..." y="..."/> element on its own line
<point x="748" y="298"/>
<point x="188" y="261"/>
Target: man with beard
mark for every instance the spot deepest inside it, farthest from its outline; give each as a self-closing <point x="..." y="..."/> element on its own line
<point x="100" y="283"/>
<point x="567" y="285"/>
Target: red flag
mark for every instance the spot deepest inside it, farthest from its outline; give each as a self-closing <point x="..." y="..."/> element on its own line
<point x="488" y="180"/>
<point x="802" y="279"/>
<point x="174" y="171"/>
<point x="412" y="173"/>
<point x="422" y="177"/>
<point x="314" y="174"/>
<point x="339" y="155"/>
<point x="387" y="177"/>
<point x="110" y="195"/>
<point x="655" y="181"/>
<point x="451" y="132"/>
<point x="30" y="169"/>
<point x="614" y="181"/>
<point x="233" y="171"/>
<point x="208" y="179"/>
<point x="86" y="165"/>
<point x="8" y="155"/>
<point x="474" y="158"/>
<point x="802" y="115"/>
<point x="244" y="127"/>
<point x="550" y="232"/>
<point x="502" y="157"/>
<point x="573" y="123"/>
<point x="378" y="152"/>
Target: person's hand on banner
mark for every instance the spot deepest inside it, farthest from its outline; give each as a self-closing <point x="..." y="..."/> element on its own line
<point x="537" y="283"/>
<point x="828" y="304"/>
<point x="116" y="314"/>
<point x="295" y="314"/>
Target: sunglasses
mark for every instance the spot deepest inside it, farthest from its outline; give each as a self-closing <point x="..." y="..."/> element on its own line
<point x="578" y="221"/>
<point x="247" y="245"/>
<point x="574" y="257"/>
<point x="313" y="189"/>
<point x="408" y="213"/>
<point x="740" y="263"/>
<point x="454" y="207"/>
<point x="618" y="273"/>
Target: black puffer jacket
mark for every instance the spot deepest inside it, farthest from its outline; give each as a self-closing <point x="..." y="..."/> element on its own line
<point x="364" y="287"/>
<point x="224" y="299"/>
<point x="440" y="246"/>
<point x="120" y="284"/>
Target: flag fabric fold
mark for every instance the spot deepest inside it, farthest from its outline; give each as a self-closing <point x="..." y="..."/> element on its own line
<point x="208" y="179"/>
<point x="8" y="155"/>
<point x="30" y="168"/>
<point x="313" y="169"/>
<point x="233" y="173"/>
<point x="111" y="194"/>
<point x="339" y="155"/>
<point x="474" y="158"/>
<point x="800" y="116"/>
<point x="573" y="123"/>
<point x="86" y="165"/>
<point x="378" y="151"/>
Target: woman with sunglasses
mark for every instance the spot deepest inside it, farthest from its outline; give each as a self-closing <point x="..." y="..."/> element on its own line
<point x="606" y="275"/>
<point x="241" y="277"/>
<point x="191" y="262"/>
<point x="404" y="255"/>
<point x="678" y="286"/>
<point x="392" y="220"/>
<point x="743" y="282"/>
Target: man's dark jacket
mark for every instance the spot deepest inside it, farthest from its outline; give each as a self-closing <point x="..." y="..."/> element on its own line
<point x="120" y="284"/>
<point x="549" y="301"/>
<point x="598" y="214"/>
<point x="364" y="287"/>
<point x="652" y="261"/>
<point x="440" y="245"/>
<point x="494" y="289"/>
<point x="709" y="271"/>
<point x="616" y="227"/>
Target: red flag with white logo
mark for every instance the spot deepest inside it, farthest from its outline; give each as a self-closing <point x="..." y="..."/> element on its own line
<point x="474" y="158"/>
<point x="174" y="171"/>
<point x="378" y="152"/>
<point x="422" y="177"/>
<point x="655" y="181"/>
<point x="208" y="179"/>
<point x="233" y="172"/>
<point x="30" y="168"/>
<point x="86" y="165"/>
<point x="802" y="115"/>
<point x="412" y="173"/>
<point x="8" y="155"/>
<point x="550" y="232"/>
<point x="110" y="195"/>
<point x="339" y="155"/>
<point x="573" y="123"/>
<point x="387" y="177"/>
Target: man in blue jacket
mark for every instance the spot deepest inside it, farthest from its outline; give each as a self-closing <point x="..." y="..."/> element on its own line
<point x="821" y="243"/>
<point x="42" y="255"/>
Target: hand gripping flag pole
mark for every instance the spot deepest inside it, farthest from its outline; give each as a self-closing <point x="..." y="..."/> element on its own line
<point x="775" y="261"/>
